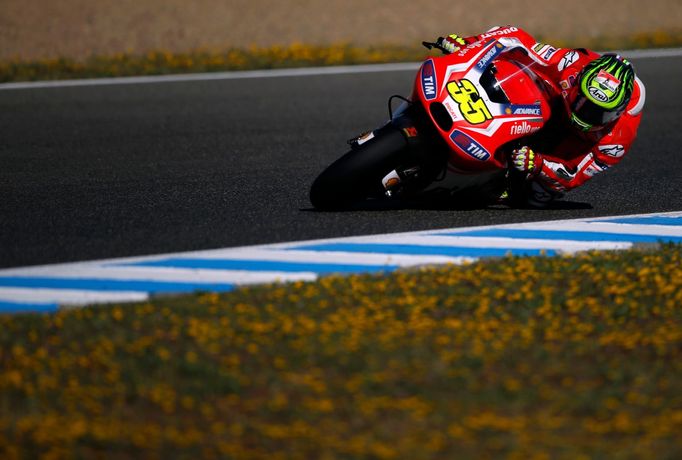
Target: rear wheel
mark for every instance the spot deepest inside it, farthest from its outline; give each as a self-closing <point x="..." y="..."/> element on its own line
<point x="357" y="175"/>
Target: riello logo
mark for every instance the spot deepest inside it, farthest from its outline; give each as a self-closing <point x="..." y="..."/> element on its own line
<point x="522" y="128"/>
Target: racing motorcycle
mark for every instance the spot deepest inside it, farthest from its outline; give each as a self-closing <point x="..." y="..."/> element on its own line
<point x="448" y="142"/>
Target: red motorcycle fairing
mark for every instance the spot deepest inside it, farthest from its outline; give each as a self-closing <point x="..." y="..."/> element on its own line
<point x="480" y="99"/>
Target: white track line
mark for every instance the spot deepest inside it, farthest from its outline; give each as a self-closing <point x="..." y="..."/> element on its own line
<point x="276" y="73"/>
<point x="608" y="227"/>
<point x="77" y="287"/>
<point x="501" y="242"/>
<point x="163" y="274"/>
<point x="210" y="76"/>
<point x="294" y="255"/>
<point x="68" y="296"/>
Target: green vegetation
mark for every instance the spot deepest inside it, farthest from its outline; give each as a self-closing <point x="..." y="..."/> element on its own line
<point x="297" y="55"/>
<point x="563" y="357"/>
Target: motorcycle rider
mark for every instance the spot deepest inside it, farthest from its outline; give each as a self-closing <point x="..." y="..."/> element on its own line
<point x="597" y="107"/>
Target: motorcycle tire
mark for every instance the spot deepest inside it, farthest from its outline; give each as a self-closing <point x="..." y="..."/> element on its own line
<point x="357" y="174"/>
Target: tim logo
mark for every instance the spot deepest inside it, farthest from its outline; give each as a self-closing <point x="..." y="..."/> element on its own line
<point x="469" y="146"/>
<point x="428" y="81"/>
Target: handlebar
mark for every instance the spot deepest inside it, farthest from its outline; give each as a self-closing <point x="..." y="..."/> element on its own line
<point x="437" y="44"/>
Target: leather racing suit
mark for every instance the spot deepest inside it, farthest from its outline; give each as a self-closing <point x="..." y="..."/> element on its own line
<point x="571" y="157"/>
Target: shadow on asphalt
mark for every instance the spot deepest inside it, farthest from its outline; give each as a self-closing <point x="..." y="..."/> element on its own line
<point x="397" y="205"/>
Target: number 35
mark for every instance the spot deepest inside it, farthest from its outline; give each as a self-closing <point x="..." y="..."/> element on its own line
<point x="471" y="104"/>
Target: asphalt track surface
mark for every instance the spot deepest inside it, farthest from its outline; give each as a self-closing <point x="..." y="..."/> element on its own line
<point x="123" y="170"/>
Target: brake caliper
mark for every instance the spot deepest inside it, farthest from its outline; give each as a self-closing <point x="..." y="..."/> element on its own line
<point x="396" y="180"/>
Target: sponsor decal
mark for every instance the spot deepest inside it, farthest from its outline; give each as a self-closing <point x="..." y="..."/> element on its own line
<point x="602" y="166"/>
<point x="544" y="51"/>
<point x="522" y="128"/>
<point x="603" y="87"/>
<point x="470" y="47"/>
<point x="564" y="88"/>
<point x="391" y="180"/>
<point x="489" y="56"/>
<point x="495" y="33"/>
<point x="568" y="59"/>
<point x="549" y="53"/>
<point x="593" y="166"/>
<point x="592" y="169"/>
<point x="566" y="85"/>
<point x="410" y="131"/>
<point x="365" y="137"/>
<point x="523" y="110"/>
<point x="452" y="108"/>
<point x="428" y="78"/>
<point x="469" y="146"/>
<point x="607" y="81"/>
<point x="471" y="105"/>
<point x="598" y="94"/>
<point x="614" y="150"/>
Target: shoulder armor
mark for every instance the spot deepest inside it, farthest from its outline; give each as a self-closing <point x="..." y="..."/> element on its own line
<point x="637" y="109"/>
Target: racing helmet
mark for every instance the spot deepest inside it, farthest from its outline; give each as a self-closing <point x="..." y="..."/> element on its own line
<point x="601" y="92"/>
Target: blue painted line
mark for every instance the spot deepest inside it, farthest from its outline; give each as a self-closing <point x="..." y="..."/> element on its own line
<point x="422" y="250"/>
<point x="564" y="235"/>
<point x="645" y="220"/>
<point x="17" y="307"/>
<point x="111" y="285"/>
<point x="265" y="265"/>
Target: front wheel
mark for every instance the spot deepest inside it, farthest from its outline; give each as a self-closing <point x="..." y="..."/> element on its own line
<point x="357" y="174"/>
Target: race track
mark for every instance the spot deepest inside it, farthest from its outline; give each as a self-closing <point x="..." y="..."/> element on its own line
<point x="92" y="172"/>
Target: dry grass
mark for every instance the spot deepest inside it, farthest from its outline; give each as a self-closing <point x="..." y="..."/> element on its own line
<point x="80" y="28"/>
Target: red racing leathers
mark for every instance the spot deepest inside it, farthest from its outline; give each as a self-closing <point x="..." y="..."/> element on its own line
<point x="571" y="157"/>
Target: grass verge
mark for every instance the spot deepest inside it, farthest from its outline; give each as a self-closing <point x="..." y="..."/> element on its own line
<point x="565" y="357"/>
<point x="297" y="55"/>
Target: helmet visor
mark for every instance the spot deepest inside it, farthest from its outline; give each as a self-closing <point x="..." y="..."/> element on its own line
<point x="590" y="113"/>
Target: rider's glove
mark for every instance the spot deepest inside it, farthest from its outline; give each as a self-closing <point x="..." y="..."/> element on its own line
<point x="527" y="161"/>
<point x="450" y="44"/>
